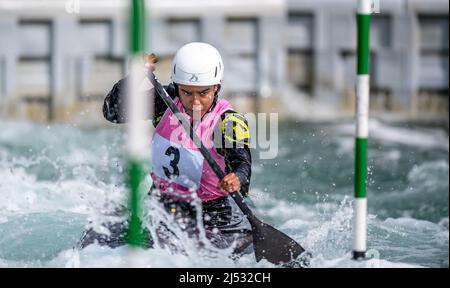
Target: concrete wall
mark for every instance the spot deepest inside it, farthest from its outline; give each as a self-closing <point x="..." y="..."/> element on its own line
<point x="292" y="57"/>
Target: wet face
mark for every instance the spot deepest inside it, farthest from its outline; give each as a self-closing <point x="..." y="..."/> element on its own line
<point x="197" y="99"/>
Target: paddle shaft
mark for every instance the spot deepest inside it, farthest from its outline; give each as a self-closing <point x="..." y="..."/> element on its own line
<point x="238" y="198"/>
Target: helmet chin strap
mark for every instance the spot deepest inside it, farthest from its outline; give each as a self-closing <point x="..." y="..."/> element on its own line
<point x="219" y="86"/>
<point x="216" y="97"/>
<point x="212" y="104"/>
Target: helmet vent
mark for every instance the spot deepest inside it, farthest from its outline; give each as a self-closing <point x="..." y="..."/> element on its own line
<point x="174" y="69"/>
<point x="215" y="74"/>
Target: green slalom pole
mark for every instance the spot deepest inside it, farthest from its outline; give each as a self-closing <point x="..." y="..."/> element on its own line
<point x="138" y="131"/>
<point x="362" y="129"/>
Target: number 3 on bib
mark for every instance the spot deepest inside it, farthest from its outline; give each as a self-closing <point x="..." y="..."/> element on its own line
<point x="173" y="163"/>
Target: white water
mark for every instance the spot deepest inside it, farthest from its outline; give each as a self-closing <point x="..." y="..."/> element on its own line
<point x="56" y="179"/>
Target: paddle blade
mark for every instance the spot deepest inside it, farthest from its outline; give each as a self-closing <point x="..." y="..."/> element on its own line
<point x="273" y="245"/>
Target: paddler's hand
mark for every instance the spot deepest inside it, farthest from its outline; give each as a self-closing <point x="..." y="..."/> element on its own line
<point x="150" y="61"/>
<point x="230" y="183"/>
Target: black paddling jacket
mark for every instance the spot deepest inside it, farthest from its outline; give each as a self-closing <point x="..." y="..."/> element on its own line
<point x="237" y="159"/>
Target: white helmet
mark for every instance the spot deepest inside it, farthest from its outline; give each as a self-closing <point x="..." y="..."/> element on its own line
<point x="197" y="64"/>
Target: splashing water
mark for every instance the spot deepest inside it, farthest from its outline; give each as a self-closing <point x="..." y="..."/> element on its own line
<point x="61" y="179"/>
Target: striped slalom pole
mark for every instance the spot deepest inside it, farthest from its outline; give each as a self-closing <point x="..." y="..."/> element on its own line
<point x="362" y="129"/>
<point x="138" y="131"/>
